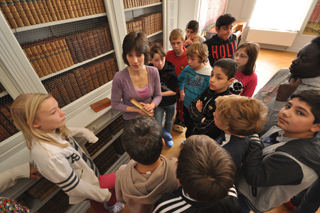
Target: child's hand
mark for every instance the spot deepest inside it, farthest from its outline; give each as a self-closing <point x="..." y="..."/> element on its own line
<point x="182" y="95"/>
<point x="34" y="172"/>
<point x="287" y="89"/>
<point x="148" y="107"/>
<point x="199" y="106"/>
<point x="203" y="120"/>
<point x="187" y="42"/>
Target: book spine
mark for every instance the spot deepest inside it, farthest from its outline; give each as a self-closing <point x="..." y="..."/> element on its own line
<point x="99" y="74"/>
<point x="78" y="7"/>
<point x="57" y="54"/>
<point x="104" y="37"/>
<point x="8" y="126"/>
<point x="56" y="10"/>
<point x="102" y="8"/>
<point x="71" y="50"/>
<point x="64" y="49"/>
<point x="74" y="8"/>
<point x="90" y="7"/>
<point x="89" y="78"/>
<point x="60" y="11"/>
<point x="92" y="44"/>
<point x="48" y="57"/>
<point x="44" y="12"/>
<point x="8" y="14"/>
<point x="15" y="13"/>
<point x="69" y="8"/>
<point x="74" y="85"/>
<point x="67" y="85"/>
<point x="39" y="60"/>
<point x="86" y="43"/>
<point x="61" y="53"/>
<point x="27" y="10"/>
<point x="96" y="41"/>
<point x="62" y="91"/>
<point x="102" y="42"/>
<point x="84" y="6"/>
<point x="113" y="67"/>
<point x="79" y="79"/>
<point x="76" y="47"/>
<point x="64" y="8"/>
<point x="104" y="72"/>
<point x="84" y="78"/>
<point x="21" y="12"/>
<point x="52" y="12"/>
<point x="53" y="56"/>
<point x="46" y="8"/>
<point x="47" y="70"/>
<point x="94" y="77"/>
<point x="37" y="10"/>
<point x="96" y="6"/>
<point x="33" y="62"/>
<point x="109" y="69"/>
<point x="81" y="46"/>
<point x="51" y="88"/>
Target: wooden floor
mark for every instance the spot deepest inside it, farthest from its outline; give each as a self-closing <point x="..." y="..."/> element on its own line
<point x="269" y="62"/>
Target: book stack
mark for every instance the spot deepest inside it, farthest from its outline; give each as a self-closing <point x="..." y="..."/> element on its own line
<point x="42" y="189"/>
<point x="58" y="203"/>
<point x="116" y="126"/>
<point x="117" y="144"/>
<point x="69" y="86"/>
<point x="30" y="12"/>
<point x="137" y="3"/>
<point x="104" y="137"/>
<point x="6" y="122"/>
<point x="106" y="159"/>
<point x="149" y="23"/>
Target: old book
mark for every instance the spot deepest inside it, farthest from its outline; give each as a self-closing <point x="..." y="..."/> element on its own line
<point x="6" y="11"/>
<point x="74" y="85"/>
<point x="90" y="7"/>
<point x="85" y="7"/>
<point x="48" y="56"/>
<point x="69" y="8"/>
<point x="107" y="64"/>
<point x="79" y="79"/>
<point x="137" y="104"/>
<point x="64" y="49"/>
<point x="99" y="74"/>
<point x="33" y="62"/>
<point x="68" y="87"/>
<point x="68" y="52"/>
<point x="104" y="72"/>
<point x="105" y="41"/>
<point x="85" y="80"/>
<point x="94" y="77"/>
<point x="113" y="67"/>
<point x="37" y="10"/>
<point x="99" y="105"/>
<point x="51" y="88"/>
<point x="78" y="8"/>
<point x="60" y="52"/>
<point x="74" y="8"/>
<point x="96" y="41"/>
<point x="21" y="12"/>
<point x="39" y="60"/>
<point x="76" y="47"/>
<point x="51" y="10"/>
<point x="27" y="10"/>
<point x="42" y="56"/>
<point x="62" y="90"/>
<point x="7" y="125"/>
<point x="15" y="13"/>
<point x="92" y="44"/>
<point x="58" y="5"/>
<point x="71" y="49"/>
<point x="57" y="54"/>
<point x="81" y="46"/>
<point x="86" y="44"/>
<point x="53" y="56"/>
<point x="56" y="10"/>
<point x="102" y="41"/>
<point x="89" y="78"/>
<point x="44" y="12"/>
<point x="65" y="9"/>
<point x="109" y="39"/>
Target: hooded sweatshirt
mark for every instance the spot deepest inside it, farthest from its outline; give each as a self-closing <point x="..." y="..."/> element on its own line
<point x="218" y="48"/>
<point x="194" y="82"/>
<point x="141" y="191"/>
<point x="169" y="81"/>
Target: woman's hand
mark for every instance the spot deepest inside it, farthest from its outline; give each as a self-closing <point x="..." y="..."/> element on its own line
<point x="199" y="105"/>
<point x="182" y="95"/>
<point x="148" y="107"/>
<point x="287" y="89"/>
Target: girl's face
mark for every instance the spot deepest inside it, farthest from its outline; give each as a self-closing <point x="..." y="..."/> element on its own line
<point x="191" y="33"/>
<point x="49" y="116"/>
<point x="135" y="60"/>
<point x="241" y="57"/>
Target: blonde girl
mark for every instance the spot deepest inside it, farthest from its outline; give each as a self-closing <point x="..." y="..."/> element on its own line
<point x="246" y="79"/>
<point x="57" y="156"/>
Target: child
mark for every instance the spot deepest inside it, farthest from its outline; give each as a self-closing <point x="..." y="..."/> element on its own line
<point x="205" y="173"/>
<point x="202" y="108"/>
<point x="290" y="161"/>
<point x="246" y="79"/>
<point x="169" y="83"/>
<point x="238" y="117"/>
<point x="179" y="59"/>
<point x="148" y="175"/>
<point x="192" y="36"/>
<point x="57" y="156"/>
<point x="224" y="43"/>
<point x="194" y="78"/>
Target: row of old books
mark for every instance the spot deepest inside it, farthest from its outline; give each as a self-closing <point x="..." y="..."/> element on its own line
<point x="58" y="203"/>
<point x="30" y="12"/>
<point x="137" y="3"/>
<point x="106" y="159"/>
<point x="74" y="84"/>
<point x="6" y="122"/>
<point x="2" y="89"/>
<point x="42" y="189"/>
<point x="57" y="53"/>
<point x="116" y="125"/>
<point x="104" y="137"/>
<point x="149" y="23"/>
<point x="117" y="144"/>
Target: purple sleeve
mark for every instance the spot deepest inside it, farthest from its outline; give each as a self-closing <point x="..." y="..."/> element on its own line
<point x="157" y="89"/>
<point x="117" y="93"/>
<point x="251" y="86"/>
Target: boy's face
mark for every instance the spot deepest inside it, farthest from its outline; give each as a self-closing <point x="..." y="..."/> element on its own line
<point x="194" y="62"/>
<point x="306" y="64"/>
<point x="158" y="61"/>
<point x="217" y="119"/>
<point x="219" y="81"/>
<point x="225" y="31"/>
<point x="296" y="119"/>
<point x="190" y="33"/>
<point x="177" y="46"/>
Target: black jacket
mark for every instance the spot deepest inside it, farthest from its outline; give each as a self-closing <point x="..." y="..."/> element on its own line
<point x="169" y="81"/>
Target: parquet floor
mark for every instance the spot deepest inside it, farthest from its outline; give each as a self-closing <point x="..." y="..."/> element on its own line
<point x="269" y="62"/>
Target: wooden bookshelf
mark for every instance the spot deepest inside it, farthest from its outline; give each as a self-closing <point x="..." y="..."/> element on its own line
<point x="144" y="6"/>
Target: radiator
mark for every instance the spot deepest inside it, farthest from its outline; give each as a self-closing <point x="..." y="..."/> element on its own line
<point x="274" y="37"/>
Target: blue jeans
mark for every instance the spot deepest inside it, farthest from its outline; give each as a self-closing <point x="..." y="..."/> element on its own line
<point x="158" y="115"/>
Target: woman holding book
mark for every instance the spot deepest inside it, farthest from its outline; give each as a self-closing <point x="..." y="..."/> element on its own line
<point x="137" y="81"/>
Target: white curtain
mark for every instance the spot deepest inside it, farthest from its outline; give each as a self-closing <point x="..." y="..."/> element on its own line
<point x="279" y="14"/>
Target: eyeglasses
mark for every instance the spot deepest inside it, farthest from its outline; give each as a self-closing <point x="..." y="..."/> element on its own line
<point x="241" y="56"/>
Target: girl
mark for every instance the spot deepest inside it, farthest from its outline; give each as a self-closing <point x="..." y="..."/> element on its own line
<point x="192" y="35"/>
<point x="57" y="156"/>
<point x="137" y="80"/>
<point x="246" y="79"/>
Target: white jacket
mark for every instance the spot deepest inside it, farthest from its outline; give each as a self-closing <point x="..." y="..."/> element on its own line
<point x="70" y="168"/>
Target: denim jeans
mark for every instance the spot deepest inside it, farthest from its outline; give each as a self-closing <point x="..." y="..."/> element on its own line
<point x="158" y="115"/>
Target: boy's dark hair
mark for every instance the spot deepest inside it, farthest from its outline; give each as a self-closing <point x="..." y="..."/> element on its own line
<point x="135" y="41"/>
<point x="225" y="20"/>
<point x="194" y="25"/>
<point x="316" y="41"/>
<point x="228" y="66"/>
<point x="312" y="98"/>
<point x="157" y="49"/>
<point x="205" y="169"/>
<point x="142" y="140"/>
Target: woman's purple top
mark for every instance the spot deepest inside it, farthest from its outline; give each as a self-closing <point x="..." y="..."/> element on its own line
<point x="122" y="87"/>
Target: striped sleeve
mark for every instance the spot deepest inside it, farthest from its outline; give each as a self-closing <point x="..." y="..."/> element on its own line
<point x="176" y="205"/>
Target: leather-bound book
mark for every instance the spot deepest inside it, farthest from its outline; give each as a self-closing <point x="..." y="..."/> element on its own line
<point x="104" y="72"/>
<point x="89" y="78"/>
<point x="82" y="47"/>
<point x="52" y="56"/>
<point x="94" y="77"/>
<point x="62" y="90"/>
<point x="48" y="56"/>
<point x="71" y="50"/>
<point x="99" y="74"/>
<point x="92" y="44"/>
<point x="85" y="80"/>
<point x="51" y="88"/>
<point x="79" y="79"/>
<point x="99" y="105"/>
<point x="51" y="10"/>
<point x="74" y="85"/>
<point x="7" y="12"/>
<point x="60" y="52"/>
<point x="68" y="87"/>
<point x="86" y="44"/>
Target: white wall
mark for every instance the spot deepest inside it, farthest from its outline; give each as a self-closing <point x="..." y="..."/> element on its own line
<point x="186" y="12"/>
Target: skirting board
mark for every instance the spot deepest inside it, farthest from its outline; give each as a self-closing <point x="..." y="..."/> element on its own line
<point x="281" y="38"/>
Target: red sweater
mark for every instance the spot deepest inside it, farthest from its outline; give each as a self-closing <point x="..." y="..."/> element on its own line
<point x="179" y="62"/>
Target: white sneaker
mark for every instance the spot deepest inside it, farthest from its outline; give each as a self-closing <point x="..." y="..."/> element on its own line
<point x="116" y="208"/>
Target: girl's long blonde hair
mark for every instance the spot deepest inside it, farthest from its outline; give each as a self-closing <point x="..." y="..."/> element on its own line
<point x="24" y="110"/>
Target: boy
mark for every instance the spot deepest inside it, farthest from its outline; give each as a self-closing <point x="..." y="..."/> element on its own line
<point x="205" y="173"/>
<point x="179" y="59"/>
<point x="202" y="108"/>
<point x="148" y="175"/>
<point x="169" y="83"/>
<point x="238" y="117"/>
<point x="290" y="161"/>
<point x="224" y="43"/>
<point x="194" y="78"/>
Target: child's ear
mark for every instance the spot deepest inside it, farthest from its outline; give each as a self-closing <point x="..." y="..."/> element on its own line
<point x="36" y="124"/>
<point x="217" y="29"/>
<point x="163" y="142"/>
<point x="315" y="128"/>
<point x="230" y="81"/>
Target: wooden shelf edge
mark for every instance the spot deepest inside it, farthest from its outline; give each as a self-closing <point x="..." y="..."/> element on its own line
<point x="156" y="33"/>
<point x="140" y="7"/>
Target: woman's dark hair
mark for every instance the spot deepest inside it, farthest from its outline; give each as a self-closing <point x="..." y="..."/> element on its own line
<point x="138" y="42"/>
<point x="194" y="25"/>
